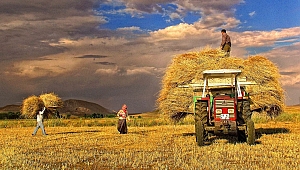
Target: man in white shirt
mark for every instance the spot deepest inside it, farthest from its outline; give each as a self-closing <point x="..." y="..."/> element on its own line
<point x="39" y="119"/>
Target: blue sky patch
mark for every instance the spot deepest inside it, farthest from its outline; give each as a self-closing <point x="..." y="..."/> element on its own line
<point x="257" y="50"/>
<point x="266" y="15"/>
<point x="117" y="18"/>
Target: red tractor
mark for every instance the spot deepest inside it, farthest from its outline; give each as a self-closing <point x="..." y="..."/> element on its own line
<point x="222" y="106"/>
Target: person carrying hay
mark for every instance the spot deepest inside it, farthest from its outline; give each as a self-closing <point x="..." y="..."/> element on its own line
<point x="226" y="43"/>
<point x="40" y="119"/>
<point x="123" y="115"/>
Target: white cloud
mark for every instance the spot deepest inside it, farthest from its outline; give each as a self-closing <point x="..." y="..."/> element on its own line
<point x="287" y="59"/>
<point x="174" y="16"/>
<point x="251" y="14"/>
<point x="181" y="7"/>
<point x="52" y="66"/>
<point x="263" y="38"/>
<point x="206" y="28"/>
<point x="291" y="80"/>
<point x="133" y="28"/>
<point x="107" y="72"/>
<point x="141" y="70"/>
<point x="70" y="60"/>
<point x="174" y="32"/>
<point x="128" y="72"/>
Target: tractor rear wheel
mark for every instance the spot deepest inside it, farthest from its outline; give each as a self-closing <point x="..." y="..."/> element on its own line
<point x="200" y="120"/>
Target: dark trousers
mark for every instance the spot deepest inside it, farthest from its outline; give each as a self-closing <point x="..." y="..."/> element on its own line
<point x="122" y="126"/>
<point x="227" y="49"/>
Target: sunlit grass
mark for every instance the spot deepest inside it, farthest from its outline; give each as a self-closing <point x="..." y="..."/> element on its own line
<point x="96" y="144"/>
<point x="83" y="122"/>
<point x="155" y="147"/>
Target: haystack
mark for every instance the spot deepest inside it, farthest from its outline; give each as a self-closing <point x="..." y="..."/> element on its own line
<point x="33" y="104"/>
<point x="51" y="100"/>
<point x="186" y="68"/>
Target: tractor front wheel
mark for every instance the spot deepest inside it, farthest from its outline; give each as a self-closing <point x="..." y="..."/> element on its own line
<point x="200" y="120"/>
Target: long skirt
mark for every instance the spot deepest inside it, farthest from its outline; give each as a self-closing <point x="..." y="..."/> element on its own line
<point x="122" y="126"/>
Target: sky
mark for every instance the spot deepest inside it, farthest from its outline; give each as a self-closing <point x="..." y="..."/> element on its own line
<point x="112" y="52"/>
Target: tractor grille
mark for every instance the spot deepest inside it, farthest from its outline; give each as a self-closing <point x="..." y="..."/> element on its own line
<point x="224" y="103"/>
<point x="224" y="107"/>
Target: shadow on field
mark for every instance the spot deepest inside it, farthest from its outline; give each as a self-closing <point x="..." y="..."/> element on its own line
<point x="142" y="132"/>
<point x="267" y="131"/>
<point x="188" y="134"/>
<point x="86" y="131"/>
<point x="232" y="139"/>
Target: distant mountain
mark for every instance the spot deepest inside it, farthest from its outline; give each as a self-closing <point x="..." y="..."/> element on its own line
<point x="10" y="108"/>
<point x="81" y="107"/>
<point x="71" y="106"/>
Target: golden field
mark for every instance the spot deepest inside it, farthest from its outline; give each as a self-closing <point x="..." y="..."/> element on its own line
<point x="149" y="147"/>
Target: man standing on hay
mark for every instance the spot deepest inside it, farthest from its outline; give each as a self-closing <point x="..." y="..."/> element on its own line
<point x="39" y="119"/>
<point x="226" y="43"/>
<point x="123" y="115"/>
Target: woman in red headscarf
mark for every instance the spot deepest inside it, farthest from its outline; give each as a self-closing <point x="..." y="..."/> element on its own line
<point x="123" y="115"/>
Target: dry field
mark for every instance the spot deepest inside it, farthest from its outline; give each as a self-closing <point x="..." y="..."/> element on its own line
<point x="157" y="147"/>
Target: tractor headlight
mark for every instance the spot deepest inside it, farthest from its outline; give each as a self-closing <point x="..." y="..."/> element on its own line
<point x="230" y="110"/>
<point x="218" y="111"/>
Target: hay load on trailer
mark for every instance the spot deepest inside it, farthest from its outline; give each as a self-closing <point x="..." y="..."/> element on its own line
<point x="267" y="95"/>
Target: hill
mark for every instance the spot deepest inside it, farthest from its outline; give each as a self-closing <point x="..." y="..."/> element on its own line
<point x="81" y="107"/>
<point x="10" y="108"/>
<point x="71" y="106"/>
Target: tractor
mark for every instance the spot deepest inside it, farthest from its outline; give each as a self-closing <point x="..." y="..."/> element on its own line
<point x="222" y="106"/>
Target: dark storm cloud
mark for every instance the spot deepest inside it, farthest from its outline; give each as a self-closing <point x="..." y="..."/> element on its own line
<point x="105" y="63"/>
<point x="28" y="27"/>
<point x="46" y="9"/>
<point x="30" y="32"/>
<point x="92" y="56"/>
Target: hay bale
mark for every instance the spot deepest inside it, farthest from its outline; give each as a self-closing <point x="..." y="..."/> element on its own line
<point x="31" y="106"/>
<point x="268" y="92"/>
<point x="51" y="100"/>
<point x="186" y="68"/>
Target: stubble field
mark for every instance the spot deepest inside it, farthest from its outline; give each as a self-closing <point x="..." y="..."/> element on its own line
<point x="154" y="147"/>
